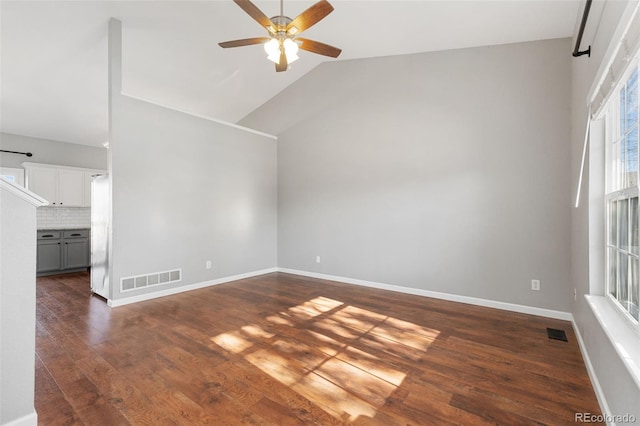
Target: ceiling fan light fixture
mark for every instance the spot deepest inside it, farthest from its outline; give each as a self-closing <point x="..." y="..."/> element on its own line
<point x="272" y="47"/>
<point x="290" y="50"/>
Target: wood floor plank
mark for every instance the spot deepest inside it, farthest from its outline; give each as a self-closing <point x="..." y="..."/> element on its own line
<point x="58" y="413"/>
<point x="274" y="412"/>
<point x="282" y="349"/>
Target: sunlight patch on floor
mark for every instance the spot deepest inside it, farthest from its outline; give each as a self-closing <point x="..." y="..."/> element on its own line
<point x="338" y="370"/>
<point x="314" y="307"/>
<point x="369" y="363"/>
<point x="359" y="382"/>
<point x="275" y="365"/>
<point x="257" y="332"/>
<point x="232" y="341"/>
<point x="326" y="344"/>
<point x="278" y="319"/>
<point x="337" y="328"/>
<point x="332" y="398"/>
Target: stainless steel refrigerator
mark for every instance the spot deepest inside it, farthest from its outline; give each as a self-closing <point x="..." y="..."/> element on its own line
<point x="100" y="206"/>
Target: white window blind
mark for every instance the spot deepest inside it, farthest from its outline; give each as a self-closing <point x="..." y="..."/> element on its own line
<point x="625" y="48"/>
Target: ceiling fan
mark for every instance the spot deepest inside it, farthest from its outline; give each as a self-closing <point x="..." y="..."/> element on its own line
<point x="283" y="42"/>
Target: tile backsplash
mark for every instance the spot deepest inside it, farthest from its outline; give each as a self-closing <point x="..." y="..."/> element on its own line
<point x="59" y="217"/>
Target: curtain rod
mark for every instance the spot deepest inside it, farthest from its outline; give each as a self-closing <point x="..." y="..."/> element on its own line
<point x="585" y="15"/>
<point x="28" y="154"/>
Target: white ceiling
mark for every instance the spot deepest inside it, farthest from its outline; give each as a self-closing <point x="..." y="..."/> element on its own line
<point x="54" y="53"/>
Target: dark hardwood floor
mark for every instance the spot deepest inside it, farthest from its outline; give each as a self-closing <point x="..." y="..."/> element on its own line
<point x="283" y="349"/>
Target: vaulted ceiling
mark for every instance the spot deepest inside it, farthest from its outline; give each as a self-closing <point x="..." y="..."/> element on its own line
<point x="54" y="53"/>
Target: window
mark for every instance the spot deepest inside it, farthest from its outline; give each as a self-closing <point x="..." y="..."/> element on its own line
<point x="622" y="240"/>
<point x="13" y="175"/>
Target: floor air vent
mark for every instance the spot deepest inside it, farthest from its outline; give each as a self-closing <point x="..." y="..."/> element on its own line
<point x="150" y="280"/>
<point x="556" y="334"/>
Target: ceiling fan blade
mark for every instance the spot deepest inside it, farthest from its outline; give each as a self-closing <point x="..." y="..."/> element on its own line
<point x="253" y="11"/>
<point x="310" y="17"/>
<point x="319" y="48"/>
<point x="282" y="65"/>
<point x="244" y="42"/>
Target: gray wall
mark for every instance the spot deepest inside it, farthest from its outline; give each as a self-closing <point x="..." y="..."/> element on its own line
<point x="621" y="393"/>
<point x="187" y="190"/>
<point x="50" y="152"/>
<point x="442" y="171"/>
<point x="17" y="307"/>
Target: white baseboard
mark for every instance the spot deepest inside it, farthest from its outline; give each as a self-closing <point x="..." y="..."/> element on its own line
<point x="548" y="313"/>
<point x="30" y="419"/>
<point x="602" y="401"/>
<point x="408" y="290"/>
<point x="182" y="289"/>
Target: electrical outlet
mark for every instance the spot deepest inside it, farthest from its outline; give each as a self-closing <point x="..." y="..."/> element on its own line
<point x="208" y="265"/>
<point x="317" y="259"/>
<point x="535" y="285"/>
<point x="575" y="294"/>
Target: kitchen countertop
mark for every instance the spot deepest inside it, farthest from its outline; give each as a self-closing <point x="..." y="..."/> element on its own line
<point x="62" y="228"/>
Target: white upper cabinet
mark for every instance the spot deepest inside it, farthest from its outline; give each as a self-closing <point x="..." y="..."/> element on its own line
<point x="71" y="188"/>
<point x="44" y="182"/>
<point x="61" y="186"/>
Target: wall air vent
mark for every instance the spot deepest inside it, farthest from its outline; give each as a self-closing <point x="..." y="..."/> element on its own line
<point x="149" y="280"/>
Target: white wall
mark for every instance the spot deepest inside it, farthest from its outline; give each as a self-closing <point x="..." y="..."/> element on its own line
<point x="17" y="308"/>
<point x="187" y="190"/>
<point x="619" y="390"/>
<point x="50" y="152"/>
<point x="441" y="171"/>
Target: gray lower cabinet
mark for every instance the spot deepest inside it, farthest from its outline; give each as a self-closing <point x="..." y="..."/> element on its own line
<point x="49" y="251"/>
<point x="64" y="250"/>
<point x="75" y="251"/>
